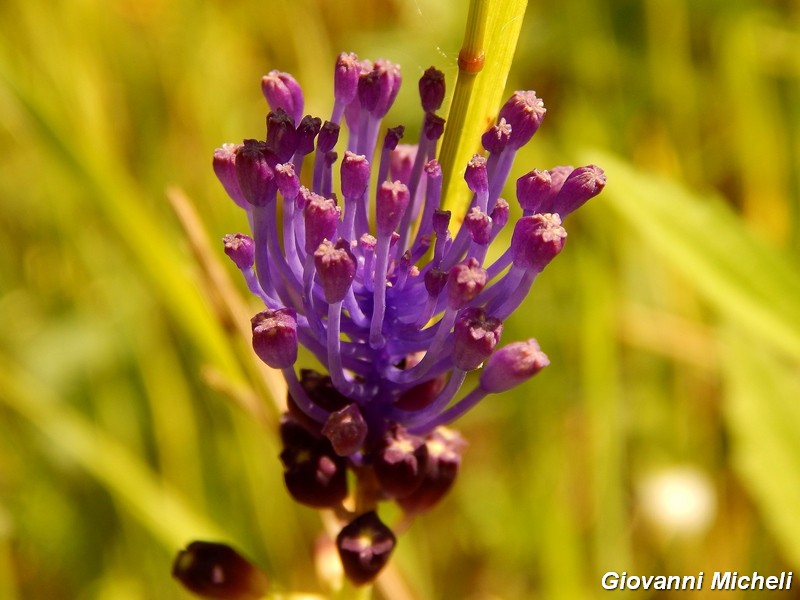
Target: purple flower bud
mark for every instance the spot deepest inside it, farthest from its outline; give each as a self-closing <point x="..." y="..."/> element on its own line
<point x="313" y="473"/>
<point x="421" y="395"/>
<point x="388" y="84"/>
<point x="213" y="570"/>
<point x="581" y="185"/>
<point x="393" y="199"/>
<point x="431" y="89"/>
<point x="281" y="135"/>
<point x="282" y="91"/>
<point x="254" y="174"/>
<point x="328" y="136"/>
<point x="464" y="282"/>
<point x="500" y="214"/>
<point x="275" y="337"/>
<point x="475" y="338"/>
<point x="346" y="429"/>
<point x="511" y="365"/>
<point x="365" y="545"/>
<point x="355" y="175"/>
<point x="336" y="268"/>
<point x="367" y="243"/>
<point x="537" y="240"/>
<point x="441" y="221"/>
<point x="401" y="161"/>
<point x="435" y="281"/>
<point x="345" y="77"/>
<point x="558" y="175"/>
<point x="287" y="180"/>
<point x="241" y="249"/>
<point x="444" y="459"/>
<point x="524" y="113"/>
<point x="304" y="195"/>
<point x="393" y="137"/>
<point x="321" y="217"/>
<point x="433" y="169"/>
<point x="496" y="139"/>
<point x="479" y="225"/>
<point x="399" y="462"/>
<point x="307" y="130"/>
<point x="433" y="126"/>
<point x="320" y="390"/>
<point x="225" y="170"/>
<point x="476" y="176"/>
<point x="535" y="192"/>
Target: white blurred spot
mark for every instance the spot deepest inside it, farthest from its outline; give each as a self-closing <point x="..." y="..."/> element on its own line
<point x="679" y="501"/>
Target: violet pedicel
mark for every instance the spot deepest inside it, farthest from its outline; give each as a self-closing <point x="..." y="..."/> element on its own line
<point x="398" y="314"/>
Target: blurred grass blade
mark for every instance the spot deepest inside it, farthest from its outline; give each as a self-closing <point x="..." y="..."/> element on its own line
<point x="130" y="481"/>
<point x="747" y="280"/>
<point x="477" y="96"/>
<point x="763" y="416"/>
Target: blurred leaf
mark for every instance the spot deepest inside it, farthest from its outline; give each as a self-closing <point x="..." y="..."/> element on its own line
<point x="749" y="281"/>
<point x="160" y="509"/>
<point x="763" y="415"/>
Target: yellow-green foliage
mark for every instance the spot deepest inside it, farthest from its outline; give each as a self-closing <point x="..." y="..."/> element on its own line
<point x="133" y="417"/>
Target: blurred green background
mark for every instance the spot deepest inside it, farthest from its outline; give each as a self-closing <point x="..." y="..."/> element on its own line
<point x="663" y="439"/>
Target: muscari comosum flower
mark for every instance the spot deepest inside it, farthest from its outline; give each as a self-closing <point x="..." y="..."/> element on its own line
<point x="395" y="307"/>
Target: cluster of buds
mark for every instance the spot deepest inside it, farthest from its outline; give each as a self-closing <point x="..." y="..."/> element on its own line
<point x="398" y="312"/>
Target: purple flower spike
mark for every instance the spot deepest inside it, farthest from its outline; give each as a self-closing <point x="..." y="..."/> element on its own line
<point x="355" y="175"/>
<point x="364" y="546"/>
<point x="537" y="240"/>
<point x="524" y="113"/>
<point x="241" y="249"/>
<point x="275" y="337"/>
<point x="582" y="184"/>
<point x="393" y="199"/>
<point x="398" y="309"/>
<point x="345" y="79"/>
<point x="431" y="89"/>
<point x="254" y="174"/>
<point x="336" y="268"/>
<point x="282" y="91"/>
<point x="512" y="365"/>
<point x="464" y="282"/>
<point x="321" y="219"/>
<point x="476" y="336"/>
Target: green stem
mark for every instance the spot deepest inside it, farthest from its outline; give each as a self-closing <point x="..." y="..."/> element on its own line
<point x="492" y="31"/>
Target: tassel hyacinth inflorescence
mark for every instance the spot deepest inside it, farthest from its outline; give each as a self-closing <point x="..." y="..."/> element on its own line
<point x="396" y="308"/>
